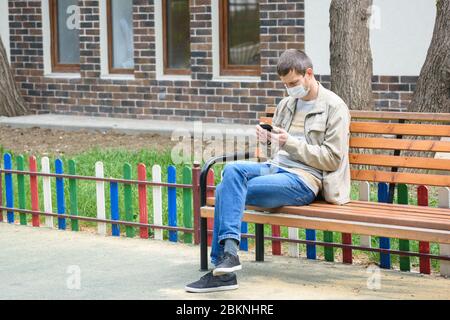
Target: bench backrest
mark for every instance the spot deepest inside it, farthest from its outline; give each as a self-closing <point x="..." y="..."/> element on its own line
<point x="390" y="137"/>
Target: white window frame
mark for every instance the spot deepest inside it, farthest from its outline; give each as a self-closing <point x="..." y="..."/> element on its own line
<point x="159" y="48"/>
<point x="216" y="50"/>
<point x="104" y="56"/>
<point x="46" y="39"/>
<point x="4" y="27"/>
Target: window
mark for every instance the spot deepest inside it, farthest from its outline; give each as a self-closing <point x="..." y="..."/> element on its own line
<point x="176" y="36"/>
<point x="4" y="27"/>
<point x="65" y="34"/>
<point x="239" y="38"/>
<point x="120" y="36"/>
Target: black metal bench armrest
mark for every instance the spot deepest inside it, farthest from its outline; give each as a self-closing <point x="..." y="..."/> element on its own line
<point x="210" y="163"/>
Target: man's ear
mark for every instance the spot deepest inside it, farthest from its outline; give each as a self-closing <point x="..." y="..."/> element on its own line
<point x="309" y="72"/>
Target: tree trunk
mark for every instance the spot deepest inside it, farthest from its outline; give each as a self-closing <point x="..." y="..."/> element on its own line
<point x="351" y="56"/>
<point x="11" y="101"/>
<point x="432" y="92"/>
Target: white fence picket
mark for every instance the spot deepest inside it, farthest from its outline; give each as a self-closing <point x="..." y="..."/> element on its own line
<point x="100" y="192"/>
<point x="47" y="188"/>
<point x="293" y="248"/>
<point x="157" y="201"/>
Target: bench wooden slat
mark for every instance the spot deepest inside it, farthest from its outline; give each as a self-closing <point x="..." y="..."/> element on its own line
<point x="400" y="144"/>
<point x="401" y="177"/>
<point x="403" y="207"/>
<point x="438" y="224"/>
<point x="391" y="208"/>
<point x="383" y="211"/>
<point x="375" y="215"/>
<point x="381" y="115"/>
<point x="401" y="129"/>
<point x="399" y="161"/>
<point x="353" y="227"/>
<point x="411" y="116"/>
<point x="409" y="210"/>
<point x="441" y="216"/>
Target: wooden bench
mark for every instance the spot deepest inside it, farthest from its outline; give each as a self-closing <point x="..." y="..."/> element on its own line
<point x="386" y="134"/>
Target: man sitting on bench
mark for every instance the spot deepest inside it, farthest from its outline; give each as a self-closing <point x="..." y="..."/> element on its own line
<point x="310" y="146"/>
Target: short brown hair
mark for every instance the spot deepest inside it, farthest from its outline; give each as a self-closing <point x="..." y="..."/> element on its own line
<point x="293" y="59"/>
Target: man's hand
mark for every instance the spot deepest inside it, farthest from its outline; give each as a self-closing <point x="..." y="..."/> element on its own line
<point x="262" y="134"/>
<point x="278" y="135"/>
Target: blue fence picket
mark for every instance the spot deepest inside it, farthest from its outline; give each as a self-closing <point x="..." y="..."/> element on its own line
<point x="385" y="243"/>
<point x="172" y="202"/>
<point x="311" y="252"/>
<point x="114" y="199"/>
<point x="244" y="241"/>
<point x="60" y="194"/>
<point x="9" y="187"/>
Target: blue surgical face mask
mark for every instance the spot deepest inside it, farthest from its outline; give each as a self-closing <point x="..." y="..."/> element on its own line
<point x="298" y="92"/>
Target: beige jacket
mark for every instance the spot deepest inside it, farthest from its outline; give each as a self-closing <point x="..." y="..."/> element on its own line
<point x="327" y="131"/>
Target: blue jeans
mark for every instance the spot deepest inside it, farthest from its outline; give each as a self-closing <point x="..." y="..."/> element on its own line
<point x="256" y="184"/>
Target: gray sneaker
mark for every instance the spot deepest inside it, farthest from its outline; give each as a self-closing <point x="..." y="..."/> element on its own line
<point x="210" y="283"/>
<point x="228" y="265"/>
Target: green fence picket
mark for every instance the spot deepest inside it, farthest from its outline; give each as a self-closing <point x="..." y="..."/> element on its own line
<point x="73" y="195"/>
<point x="128" y="200"/>
<point x="187" y="203"/>
<point x="329" y="251"/>
<point x="405" y="262"/>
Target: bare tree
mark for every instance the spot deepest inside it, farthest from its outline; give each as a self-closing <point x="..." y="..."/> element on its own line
<point x="432" y="92"/>
<point x="11" y="101"/>
<point x="351" y="55"/>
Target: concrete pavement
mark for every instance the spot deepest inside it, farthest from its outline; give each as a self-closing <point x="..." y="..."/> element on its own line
<point x="50" y="264"/>
<point x="130" y="126"/>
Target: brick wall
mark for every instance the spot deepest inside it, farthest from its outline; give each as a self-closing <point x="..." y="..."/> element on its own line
<point x="390" y="93"/>
<point x="201" y="98"/>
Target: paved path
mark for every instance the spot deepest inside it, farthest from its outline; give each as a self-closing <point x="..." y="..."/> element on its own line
<point x="40" y="263"/>
<point x="131" y="126"/>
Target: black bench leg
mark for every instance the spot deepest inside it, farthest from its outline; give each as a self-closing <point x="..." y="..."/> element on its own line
<point x="203" y="244"/>
<point x="259" y="242"/>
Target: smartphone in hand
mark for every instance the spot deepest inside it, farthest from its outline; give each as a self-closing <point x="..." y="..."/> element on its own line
<point x="267" y="127"/>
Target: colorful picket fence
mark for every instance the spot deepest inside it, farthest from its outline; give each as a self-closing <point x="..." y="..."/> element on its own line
<point x="189" y="225"/>
<point x="129" y="225"/>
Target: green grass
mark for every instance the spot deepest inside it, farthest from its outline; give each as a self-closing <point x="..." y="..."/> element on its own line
<point x="114" y="161"/>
